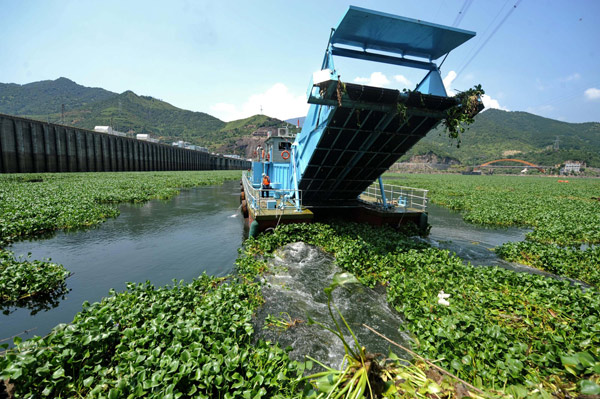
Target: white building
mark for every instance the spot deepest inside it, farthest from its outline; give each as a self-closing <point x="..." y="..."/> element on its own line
<point x="109" y="130"/>
<point x="572" y="167"/>
<point x="146" y="137"/>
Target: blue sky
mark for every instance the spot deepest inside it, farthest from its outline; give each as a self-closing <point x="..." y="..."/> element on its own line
<point x="230" y="58"/>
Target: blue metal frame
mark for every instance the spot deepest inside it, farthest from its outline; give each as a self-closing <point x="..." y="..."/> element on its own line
<point x="347" y="141"/>
<point x="371" y="30"/>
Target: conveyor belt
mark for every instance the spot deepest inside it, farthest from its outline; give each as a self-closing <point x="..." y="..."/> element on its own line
<point x="364" y="137"/>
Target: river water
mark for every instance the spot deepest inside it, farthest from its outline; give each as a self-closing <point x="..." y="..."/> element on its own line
<point x="198" y="231"/>
<point x="474" y="244"/>
<point x="471" y="242"/>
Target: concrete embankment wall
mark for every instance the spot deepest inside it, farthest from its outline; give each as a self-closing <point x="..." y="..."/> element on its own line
<point x="30" y="146"/>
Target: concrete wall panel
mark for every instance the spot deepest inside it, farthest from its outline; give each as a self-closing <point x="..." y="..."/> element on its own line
<point x="27" y="145"/>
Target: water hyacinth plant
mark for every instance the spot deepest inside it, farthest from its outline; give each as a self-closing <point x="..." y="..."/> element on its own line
<point x="508" y="334"/>
<point x="186" y="340"/>
<point x="565" y="217"/>
<point x="371" y="375"/>
<point x="22" y="279"/>
<point x="502" y="331"/>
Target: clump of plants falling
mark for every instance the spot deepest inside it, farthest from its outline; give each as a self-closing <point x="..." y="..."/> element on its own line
<point x="340" y="90"/>
<point x="458" y="116"/>
<point x="371" y="375"/>
<point x="464" y="112"/>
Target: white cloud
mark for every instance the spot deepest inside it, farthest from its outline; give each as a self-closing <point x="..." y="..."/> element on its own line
<point x="448" y="83"/>
<point x="277" y="102"/>
<point x="490" y="103"/>
<point x="403" y="80"/>
<point x="592" y="93"/>
<point x="377" y="79"/>
<point x="571" y="77"/>
<point x="487" y="100"/>
<point x="539" y="85"/>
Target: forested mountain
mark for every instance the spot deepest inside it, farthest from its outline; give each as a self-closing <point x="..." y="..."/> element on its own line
<point x="500" y="134"/>
<point x="495" y="134"/>
<point x="46" y="97"/>
<point x="144" y="114"/>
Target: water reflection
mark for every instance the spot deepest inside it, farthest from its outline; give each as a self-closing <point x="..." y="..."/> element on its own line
<point x="158" y="241"/>
<point x="471" y="242"/>
<point x="38" y="303"/>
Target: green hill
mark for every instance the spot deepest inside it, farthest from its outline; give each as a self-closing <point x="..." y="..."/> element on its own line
<point x="143" y="114"/>
<point x="46" y="97"/>
<point x="500" y="134"/>
<point x="227" y="138"/>
<point x="88" y="107"/>
<point x="495" y="134"/>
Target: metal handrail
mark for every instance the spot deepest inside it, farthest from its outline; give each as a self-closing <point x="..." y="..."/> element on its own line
<point x="398" y="196"/>
<point x="286" y="200"/>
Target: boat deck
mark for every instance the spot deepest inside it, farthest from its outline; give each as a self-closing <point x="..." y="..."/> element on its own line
<point x="261" y="212"/>
<point x="369" y="200"/>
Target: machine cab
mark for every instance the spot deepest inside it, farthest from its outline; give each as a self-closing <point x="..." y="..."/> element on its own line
<point x="279" y="145"/>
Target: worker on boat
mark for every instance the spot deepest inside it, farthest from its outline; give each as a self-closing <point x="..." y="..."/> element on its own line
<point x="266" y="185"/>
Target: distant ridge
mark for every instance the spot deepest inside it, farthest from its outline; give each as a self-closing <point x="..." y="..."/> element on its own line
<point x="87" y="107"/>
<point x="47" y="96"/>
<point x="296" y="121"/>
<point x="500" y="134"/>
<point x="494" y="134"/>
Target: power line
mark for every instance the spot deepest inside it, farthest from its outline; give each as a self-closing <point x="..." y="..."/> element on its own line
<point x="560" y="97"/>
<point x="481" y="37"/>
<point x="490" y="36"/>
<point x="439" y="9"/>
<point x="462" y="12"/>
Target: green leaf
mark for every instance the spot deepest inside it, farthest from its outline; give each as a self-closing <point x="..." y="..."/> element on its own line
<point x="58" y="374"/>
<point x="587" y="387"/>
<point x="586" y="359"/>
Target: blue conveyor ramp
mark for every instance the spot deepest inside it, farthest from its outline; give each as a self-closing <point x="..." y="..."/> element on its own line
<point x="354" y="133"/>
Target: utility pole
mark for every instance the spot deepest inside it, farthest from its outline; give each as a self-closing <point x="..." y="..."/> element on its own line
<point x="119" y="111"/>
<point x="62" y="114"/>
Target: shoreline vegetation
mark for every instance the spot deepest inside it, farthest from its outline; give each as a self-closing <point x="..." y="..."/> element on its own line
<point x="565" y="217"/>
<point x="506" y="334"/>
